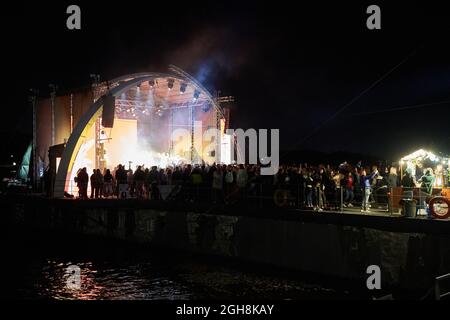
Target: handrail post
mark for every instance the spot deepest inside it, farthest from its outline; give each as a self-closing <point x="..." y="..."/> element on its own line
<point x="391" y="201"/>
<point x="437" y="288"/>
<point x="437" y="291"/>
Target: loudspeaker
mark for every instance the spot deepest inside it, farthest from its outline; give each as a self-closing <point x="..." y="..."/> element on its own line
<point x="109" y="107"/>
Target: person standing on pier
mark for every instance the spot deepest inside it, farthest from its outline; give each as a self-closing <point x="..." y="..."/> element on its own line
<point x="426" y="187"/>
<point x="82" y="183"/>
<point x="349" y="194"/>
<point x="309" y="189"/>
<point x="93" y="180"/>
<point x="241" y="180"/>
<point x="122" y="184"/>
<point x="229" y="180"/>
<point x="97" y="184"/>
<point x="392" y="178"/>
<point x="408" y="180"/>
<point x="138" y="182"/>
<point x="108" y="182"/>
<point x="367" y="188"/>
<point x="217" y="185"/>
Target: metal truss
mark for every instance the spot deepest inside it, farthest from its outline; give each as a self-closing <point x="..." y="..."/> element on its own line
<point x="133" y="106"/>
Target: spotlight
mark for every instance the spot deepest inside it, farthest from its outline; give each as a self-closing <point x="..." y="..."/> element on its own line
<point x="183" y="88"/>
<point x="170" y="84"/>
<point x="206" y="107"/>
<point x="196" y="94"/>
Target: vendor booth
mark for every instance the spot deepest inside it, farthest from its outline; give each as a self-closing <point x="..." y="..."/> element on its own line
<point x="436" y="195"/>
<point x="421" y="160"/>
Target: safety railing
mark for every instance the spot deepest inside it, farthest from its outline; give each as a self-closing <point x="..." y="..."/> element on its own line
<point x="409" y="202"/>
<point x="294" y="196"/>
<point x="437" y="287"/>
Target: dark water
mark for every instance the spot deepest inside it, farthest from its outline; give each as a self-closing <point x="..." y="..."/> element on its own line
<point x="37" y="268"/>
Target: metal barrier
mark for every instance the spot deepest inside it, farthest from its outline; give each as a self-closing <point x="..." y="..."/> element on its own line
<point x="405" y="199"/>
<point x="292" y="196"/>
<point x="410" y="202"/>
<point x="437" y="287"/>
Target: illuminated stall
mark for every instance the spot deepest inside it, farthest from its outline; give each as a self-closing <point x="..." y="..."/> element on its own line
<point x="418" y="162"/>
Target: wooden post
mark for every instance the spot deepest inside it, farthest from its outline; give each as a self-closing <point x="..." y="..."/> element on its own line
<point x="401" y="170"/>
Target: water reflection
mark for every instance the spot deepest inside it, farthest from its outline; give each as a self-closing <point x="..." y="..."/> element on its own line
<point x="105" y="282"/>
<point x="38" y="270"/>
<point x="164" y="281"/>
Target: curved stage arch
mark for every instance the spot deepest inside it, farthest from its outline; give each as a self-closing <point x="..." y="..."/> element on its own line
<point x="119" y="86"/>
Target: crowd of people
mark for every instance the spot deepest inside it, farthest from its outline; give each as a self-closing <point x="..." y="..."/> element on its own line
<point x="317" y="187"/>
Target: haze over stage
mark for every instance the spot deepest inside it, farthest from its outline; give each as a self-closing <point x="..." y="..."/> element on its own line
<point x="161" y="120"/>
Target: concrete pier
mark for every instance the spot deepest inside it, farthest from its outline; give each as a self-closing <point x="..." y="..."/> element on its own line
<point x="410" y="252"/>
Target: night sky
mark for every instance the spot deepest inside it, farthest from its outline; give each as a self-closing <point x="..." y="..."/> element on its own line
<point x="295" y="68"/>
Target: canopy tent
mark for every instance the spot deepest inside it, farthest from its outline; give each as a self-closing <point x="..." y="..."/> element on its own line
<point x="421" y="155"/>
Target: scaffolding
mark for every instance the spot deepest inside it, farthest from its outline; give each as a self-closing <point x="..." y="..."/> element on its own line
<point x="140" y="102"/>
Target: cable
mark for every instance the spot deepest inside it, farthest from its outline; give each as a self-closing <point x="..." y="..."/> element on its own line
<point x="416" y="106"/>
<point x="384" y="76"/>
